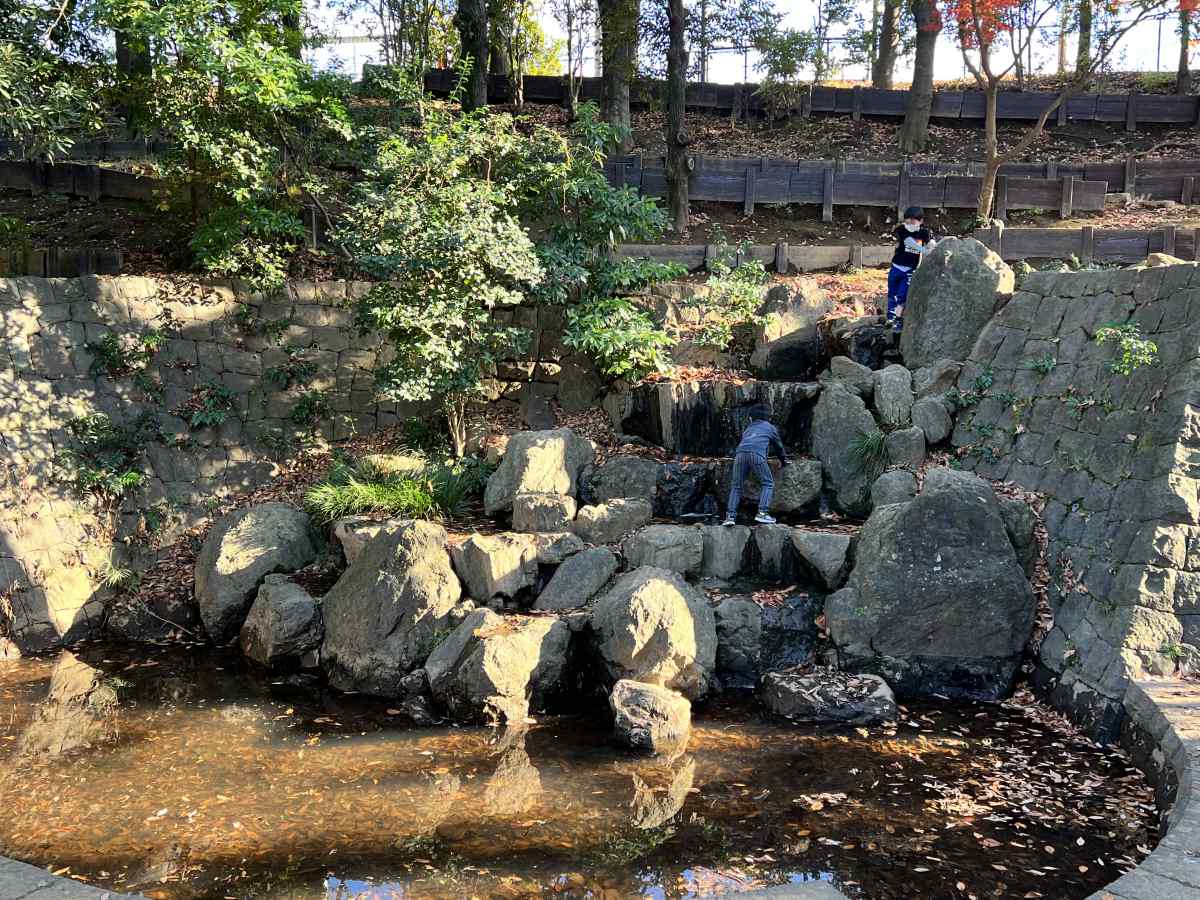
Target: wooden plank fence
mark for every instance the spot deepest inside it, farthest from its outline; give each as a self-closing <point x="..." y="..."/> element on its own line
<point x="61" y="262"/>
<point x="1132" y="109"/>
<point x="829" y="184"/>
<point x="1088" y="244"/>
<point x="127" y="148"/>
<point x="75" y="179"/>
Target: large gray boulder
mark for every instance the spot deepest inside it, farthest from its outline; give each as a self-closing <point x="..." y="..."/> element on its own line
<point x="725" y="550"/>
<point x="543" y="513"/>
<point x="388" y="610"/>
<point x="787" y="345"/>
<point x="824" y="553"/>
<point x="953" y="294"/>
<point x="537" y="462"/>
<point x="578" y="579"/>
<point x="241" y="549"/>
<point x="284" y="622"/>
<point x="937" y="602"/>
<point x="607" y="523"/>
<point x="679" y="548"/>
<point x="739" y="640"/>
<point x="652" y="626"/>
<point x="894" y="486"/>
<point x="894" y="396"/>
<point x="825" y="695"/>
<point x="936" y="378"/>
<point x="650" y="718"/>
<point x="620" y="477"/>
<point x="353" y="533"/>
<point x="496" y="669"/>
<point x="496" y="565"/>
<point x="906" y="447"/>
<point x="852" y="375"/>
<point x="931" y="416"/>
<point x="797" y="485"/>
<point x="839" y="420"/>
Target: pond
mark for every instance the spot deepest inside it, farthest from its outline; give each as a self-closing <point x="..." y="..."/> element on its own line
<point x="184" y="773"/>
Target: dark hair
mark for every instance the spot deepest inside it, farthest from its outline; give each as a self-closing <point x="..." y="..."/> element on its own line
<point x="759" y="411"/>
<point x="914" y="212"/>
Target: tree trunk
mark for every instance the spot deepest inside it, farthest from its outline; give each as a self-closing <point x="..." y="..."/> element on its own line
<point x="472" y="23"/>
<point x="885" y="60"/>
<point x="991" y="152"/>
<point x="914" y="133"/>
<point x="618" y="53"/>
<point x="1083" y="53"/>
<point x="1183" y="80"/>
<point x="293" y="34"/>
<point x="677" y="137"/>
<point x="456" y="420"/>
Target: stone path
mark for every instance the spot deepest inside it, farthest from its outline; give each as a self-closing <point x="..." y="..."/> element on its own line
<point x="19" y="880"/>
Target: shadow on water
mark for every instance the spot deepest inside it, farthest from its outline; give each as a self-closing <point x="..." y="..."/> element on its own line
<point x="186" y="774"/>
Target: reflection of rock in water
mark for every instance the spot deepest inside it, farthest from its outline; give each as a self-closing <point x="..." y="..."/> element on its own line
<point x="659" y="790"/>
<point x="79" y="710"/>
<point x="515" y="786"/>
<point x="432" y="802"/>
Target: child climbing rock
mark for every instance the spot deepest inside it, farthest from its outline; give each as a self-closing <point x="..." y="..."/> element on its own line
<point x="913" y="240"/>
<point x="758" y="440"/>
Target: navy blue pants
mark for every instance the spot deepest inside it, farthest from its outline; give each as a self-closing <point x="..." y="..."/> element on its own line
<point x="743" y="465"/>
<point x="898" y="281"/>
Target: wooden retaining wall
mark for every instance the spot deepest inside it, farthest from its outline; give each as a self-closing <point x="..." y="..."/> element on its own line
<point x="75" y="179"/>
<point x="1132" y="109"/>
<point x="61" y="262"/>
<point x="125" y="148"/>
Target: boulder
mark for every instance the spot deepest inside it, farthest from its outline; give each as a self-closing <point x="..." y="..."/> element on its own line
<point x="543" y="512"/>
<point x="739" y="640"/>
<point x="930" y="415"/>
<point x="578" y="384"/>
<point x="953" y="294"/>
<point x="797" y="485"/>
<point x="607" y="523"/>
<point x="826" y="695"/>
<point x="284" y="622"/>
<point x="537" y="462"/>
<point x="679" y="548"/>
<point x="725" y="550"/>
<point x="895" y="486"/>
<point x="633" y="477"/>
<point x="388" y="610"/>
<point x="242" y="548"/>
<point x="825" y="553"/>
<point x="578" y="579"/>
<point x="789" y="631"/>
<point x="496" y="565"/>
<point x="650" y="718"/>
<point x="685" y="489"/>
<point x="1020" y="521"/>
<point x="854" y="376"/>
<point x="937" y="602"/>
<point x="774" y="553"/>
<point x="554" y="549"/>
<point x="840" y="418"/>
<point x="906" y="447"/>
<point x="936" y="378"/>
<point x="353" y="533"/>
<point x="788" y="344"/>
<point x="652" y="626"/>
<point x="496" y="669"/>
<point x="894" y="396"/>
<point x="416" y="701"/>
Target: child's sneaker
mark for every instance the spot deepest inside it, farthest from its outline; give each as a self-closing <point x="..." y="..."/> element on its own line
<point x="763" y="519"/>
<point x="729" y="522"/>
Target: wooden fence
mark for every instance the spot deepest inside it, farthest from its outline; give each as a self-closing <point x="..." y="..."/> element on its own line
<point x="128" y="148"/>
<point x="61" y="262"/>
<point x="1132" y="109"/>
<point x="830" y="184"/>
<point x="1110" y="245"/>
<point x="75" y="179"/>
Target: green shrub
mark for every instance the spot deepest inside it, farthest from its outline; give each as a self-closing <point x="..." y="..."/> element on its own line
<point x="250" y="242"/>
<point x="621" y="338"/>
<point x="1134" y="350"/>
<point x="310" y="408"/>
<point x="123" y="354"/>
<point x="440" y="491"/>
<point x="105" y="459"/>
<point x="733" y="298"/>
<point x="208" y="406"/>
<point x="425" y="436"/>
<point x="294" y="371"/>
<point x="14" y="234"/>
<point x="870" y="449"/>
<point x="1044" y="364"/>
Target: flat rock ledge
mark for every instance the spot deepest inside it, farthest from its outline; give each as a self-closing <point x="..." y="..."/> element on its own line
<point x="19" y="881"/>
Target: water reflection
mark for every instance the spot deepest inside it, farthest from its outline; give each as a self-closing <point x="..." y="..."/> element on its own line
<point x="187" y="775"/>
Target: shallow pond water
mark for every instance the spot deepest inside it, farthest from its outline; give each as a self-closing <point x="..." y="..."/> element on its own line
<point x="186" y="774"/>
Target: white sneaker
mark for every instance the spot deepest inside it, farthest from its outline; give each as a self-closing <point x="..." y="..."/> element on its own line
<point x="764" y="519"/>
<point x="729" y="522"/>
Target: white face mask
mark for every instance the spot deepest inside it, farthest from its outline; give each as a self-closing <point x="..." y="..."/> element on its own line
<point x="911" y="227"/>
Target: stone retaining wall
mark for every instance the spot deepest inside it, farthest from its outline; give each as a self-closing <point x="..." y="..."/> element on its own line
<point x="1115" y="456"/>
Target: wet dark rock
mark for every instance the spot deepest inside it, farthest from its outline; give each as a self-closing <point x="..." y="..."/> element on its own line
<point x="739" y="641"/>
<point x="537" y="462"/>
<point x="416" y="700"/>
<point x="633" y="477"/>
<point x="937" y="602"/>
<point x="496" y="565"/>
<point x="707" y="418"/>
<point x="649" y="718"/>
<point x="789" y="632"/>
<point x="389" y="609"/>
<point x="797" y="487"/>
<point x="578" y="579"/>
<point x="496" y="669"/>
<point x="867" y="340"/>
<point x="825" y="695"/>
<point x="241" y="549"/>
<point x="685" y="489"/>
<point x="284" y="623"/>
<point x="135" y="619"/>
<point x="651" y="625"/>
<point x="678" y="548"/>
<point x="607" y="523"/>
<point x="775" y="554"/>
<point x="826" y="554"/>
<point x="537" y="513"/>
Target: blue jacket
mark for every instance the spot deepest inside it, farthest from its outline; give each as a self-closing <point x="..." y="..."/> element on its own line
<point x="761" y="437"/>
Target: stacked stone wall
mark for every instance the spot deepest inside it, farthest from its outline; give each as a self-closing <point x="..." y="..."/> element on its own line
<point x="1115" y="456"/>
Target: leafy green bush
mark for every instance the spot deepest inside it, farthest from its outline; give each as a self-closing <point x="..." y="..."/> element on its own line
<point x="14" y="234"/>
<point x="1134" y="351"/>
<point x="123" y="354"/>
<point x="440" y="491"/>
<point x="1044" y="364"/>
<point x="207" y="407"/>
<point x="621" y="338"/>
<point x="294" y="371"/>
<point x="248" y="241"/>
<point x="733" y="298"/>
<point x="310" y="408"/>
<point x="105" y="459"/>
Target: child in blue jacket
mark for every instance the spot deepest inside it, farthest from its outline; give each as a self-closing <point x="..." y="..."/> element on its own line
<point x="758" y="440"/>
